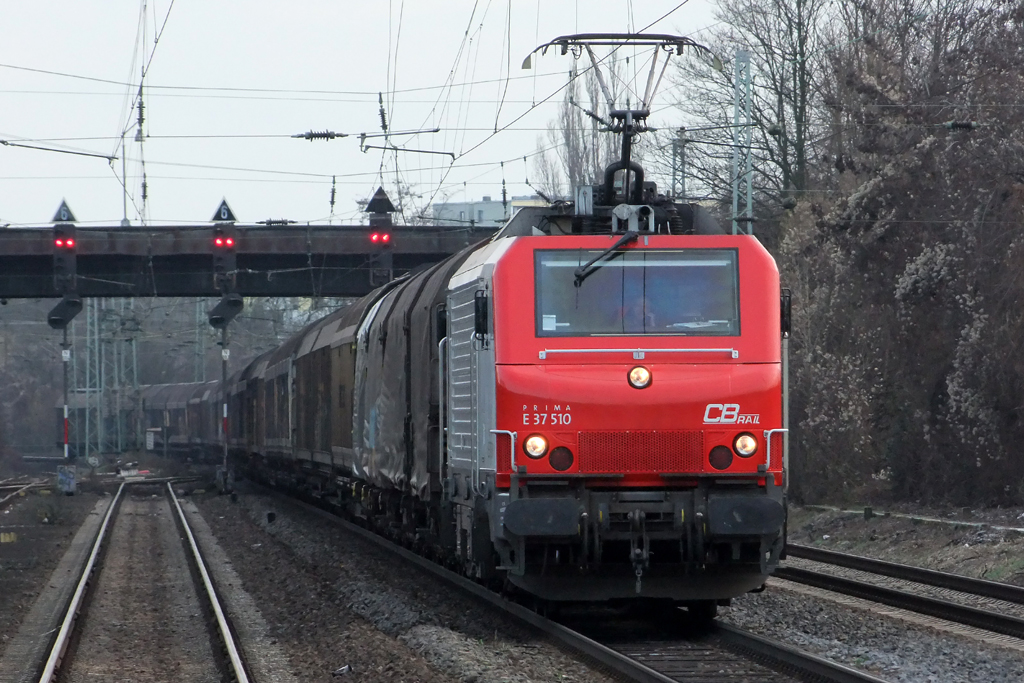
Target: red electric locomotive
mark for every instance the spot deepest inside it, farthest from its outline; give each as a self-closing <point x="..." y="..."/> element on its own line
<point x="618" y="417"/>
<point x="638" y="414"/>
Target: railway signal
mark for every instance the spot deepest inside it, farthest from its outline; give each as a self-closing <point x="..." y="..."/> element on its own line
<point x="381" y="261"/>
<point x="224" y="265"/>
<point x="224" y="262"/>
<point x="65" y="247"/>
<point x="64" y="311"/>
<point x="224" y="312"/>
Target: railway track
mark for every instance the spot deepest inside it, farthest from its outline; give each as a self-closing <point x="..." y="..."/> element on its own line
<point x="717" y="653"/>
<point x="9" y="493"/>
<point x="953" y="586"/>
<point x="139" y="605"/>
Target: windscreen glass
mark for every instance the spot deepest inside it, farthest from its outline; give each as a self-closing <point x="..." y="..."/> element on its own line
<point x="691" y="292"/>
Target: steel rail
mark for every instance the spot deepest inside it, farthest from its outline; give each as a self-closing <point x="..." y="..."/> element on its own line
<point x="943" y="609"/>
<point x="931" y="577"/>
<point x="779" y="654"/>
<point x="237" y="666"/>
<point x="3" y="501"/>
<point x="63" y="635"/>
<point x="787" y="658"/>
<point x="16" y="485"/>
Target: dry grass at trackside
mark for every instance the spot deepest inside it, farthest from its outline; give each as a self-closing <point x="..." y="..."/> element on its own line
<point x="968" y="542"/>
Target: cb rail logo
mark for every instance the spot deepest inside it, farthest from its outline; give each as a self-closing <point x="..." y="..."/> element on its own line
<point x="728" y="413"/>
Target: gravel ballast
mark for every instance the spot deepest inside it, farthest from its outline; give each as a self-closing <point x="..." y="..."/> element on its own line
<point x="867" y="636"/>
<point x="38" y="528"/>
<point x="333" y="600"/>
<point x="144" y="620"/>
<point x="890" y="648"/>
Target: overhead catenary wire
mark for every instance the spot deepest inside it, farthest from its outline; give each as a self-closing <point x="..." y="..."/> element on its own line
<point x="465" y="132"/>
<point x="565" y="85"/>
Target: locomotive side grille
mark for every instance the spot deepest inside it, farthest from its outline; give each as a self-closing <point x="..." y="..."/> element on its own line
<point x="647" y="451"/>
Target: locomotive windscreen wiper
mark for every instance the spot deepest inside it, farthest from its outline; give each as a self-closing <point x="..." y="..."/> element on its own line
<point x="590" y="266"/>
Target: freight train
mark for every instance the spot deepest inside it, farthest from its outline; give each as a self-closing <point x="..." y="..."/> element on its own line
<point x="577" y="411"/>
<point x="589" y="406"/>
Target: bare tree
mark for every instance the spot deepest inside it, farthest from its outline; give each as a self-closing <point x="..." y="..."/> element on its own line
<point x="783" y="38"/>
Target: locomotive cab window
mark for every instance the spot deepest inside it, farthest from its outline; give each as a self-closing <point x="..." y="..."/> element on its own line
<point x="691" y="292"/>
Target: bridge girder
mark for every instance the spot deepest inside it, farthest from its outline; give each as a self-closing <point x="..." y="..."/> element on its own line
<point x="178" y="261"/>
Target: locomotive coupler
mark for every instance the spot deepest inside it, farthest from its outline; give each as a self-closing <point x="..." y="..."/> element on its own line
<point x="639" y="549"/>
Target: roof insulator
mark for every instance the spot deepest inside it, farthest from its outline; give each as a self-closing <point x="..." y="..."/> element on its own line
<point x="319" y="135"/>
<point x="961" y="125"/>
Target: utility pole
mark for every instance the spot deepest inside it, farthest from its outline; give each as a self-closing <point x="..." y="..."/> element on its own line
<point x="742" y="170"/>
<point x="199" y="371"/>
<point x="679" y="165"/>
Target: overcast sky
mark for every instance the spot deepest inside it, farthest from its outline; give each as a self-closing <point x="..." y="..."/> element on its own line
<point x="229" y="81"/>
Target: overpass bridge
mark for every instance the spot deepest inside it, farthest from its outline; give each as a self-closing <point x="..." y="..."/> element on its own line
<point x="270" y="260"/>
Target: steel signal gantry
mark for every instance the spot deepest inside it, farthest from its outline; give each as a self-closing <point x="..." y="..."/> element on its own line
<point x="270" y="260"/>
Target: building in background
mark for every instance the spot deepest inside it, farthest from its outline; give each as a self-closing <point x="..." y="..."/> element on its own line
<point x="486" y="212"/>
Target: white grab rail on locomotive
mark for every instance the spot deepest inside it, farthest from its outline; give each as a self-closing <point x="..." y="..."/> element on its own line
<point x="768" y="439"/>
<point x="512" y="437"/>
<point x="638" y="354"/>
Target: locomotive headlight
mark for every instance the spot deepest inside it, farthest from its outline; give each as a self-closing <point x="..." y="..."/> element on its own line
<point x="535" y="446"/>
<point x="745" y="445"/>
<point x="639" y="377"/>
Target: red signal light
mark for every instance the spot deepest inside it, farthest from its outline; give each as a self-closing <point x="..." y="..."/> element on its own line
<point x="219" y="241"/>
<point x="230" y="242"/>
<point x="59" y="243"/>
<point x="385" y="238"/>
<point x="375" y="237"/>
<point x="70" y="242"/>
